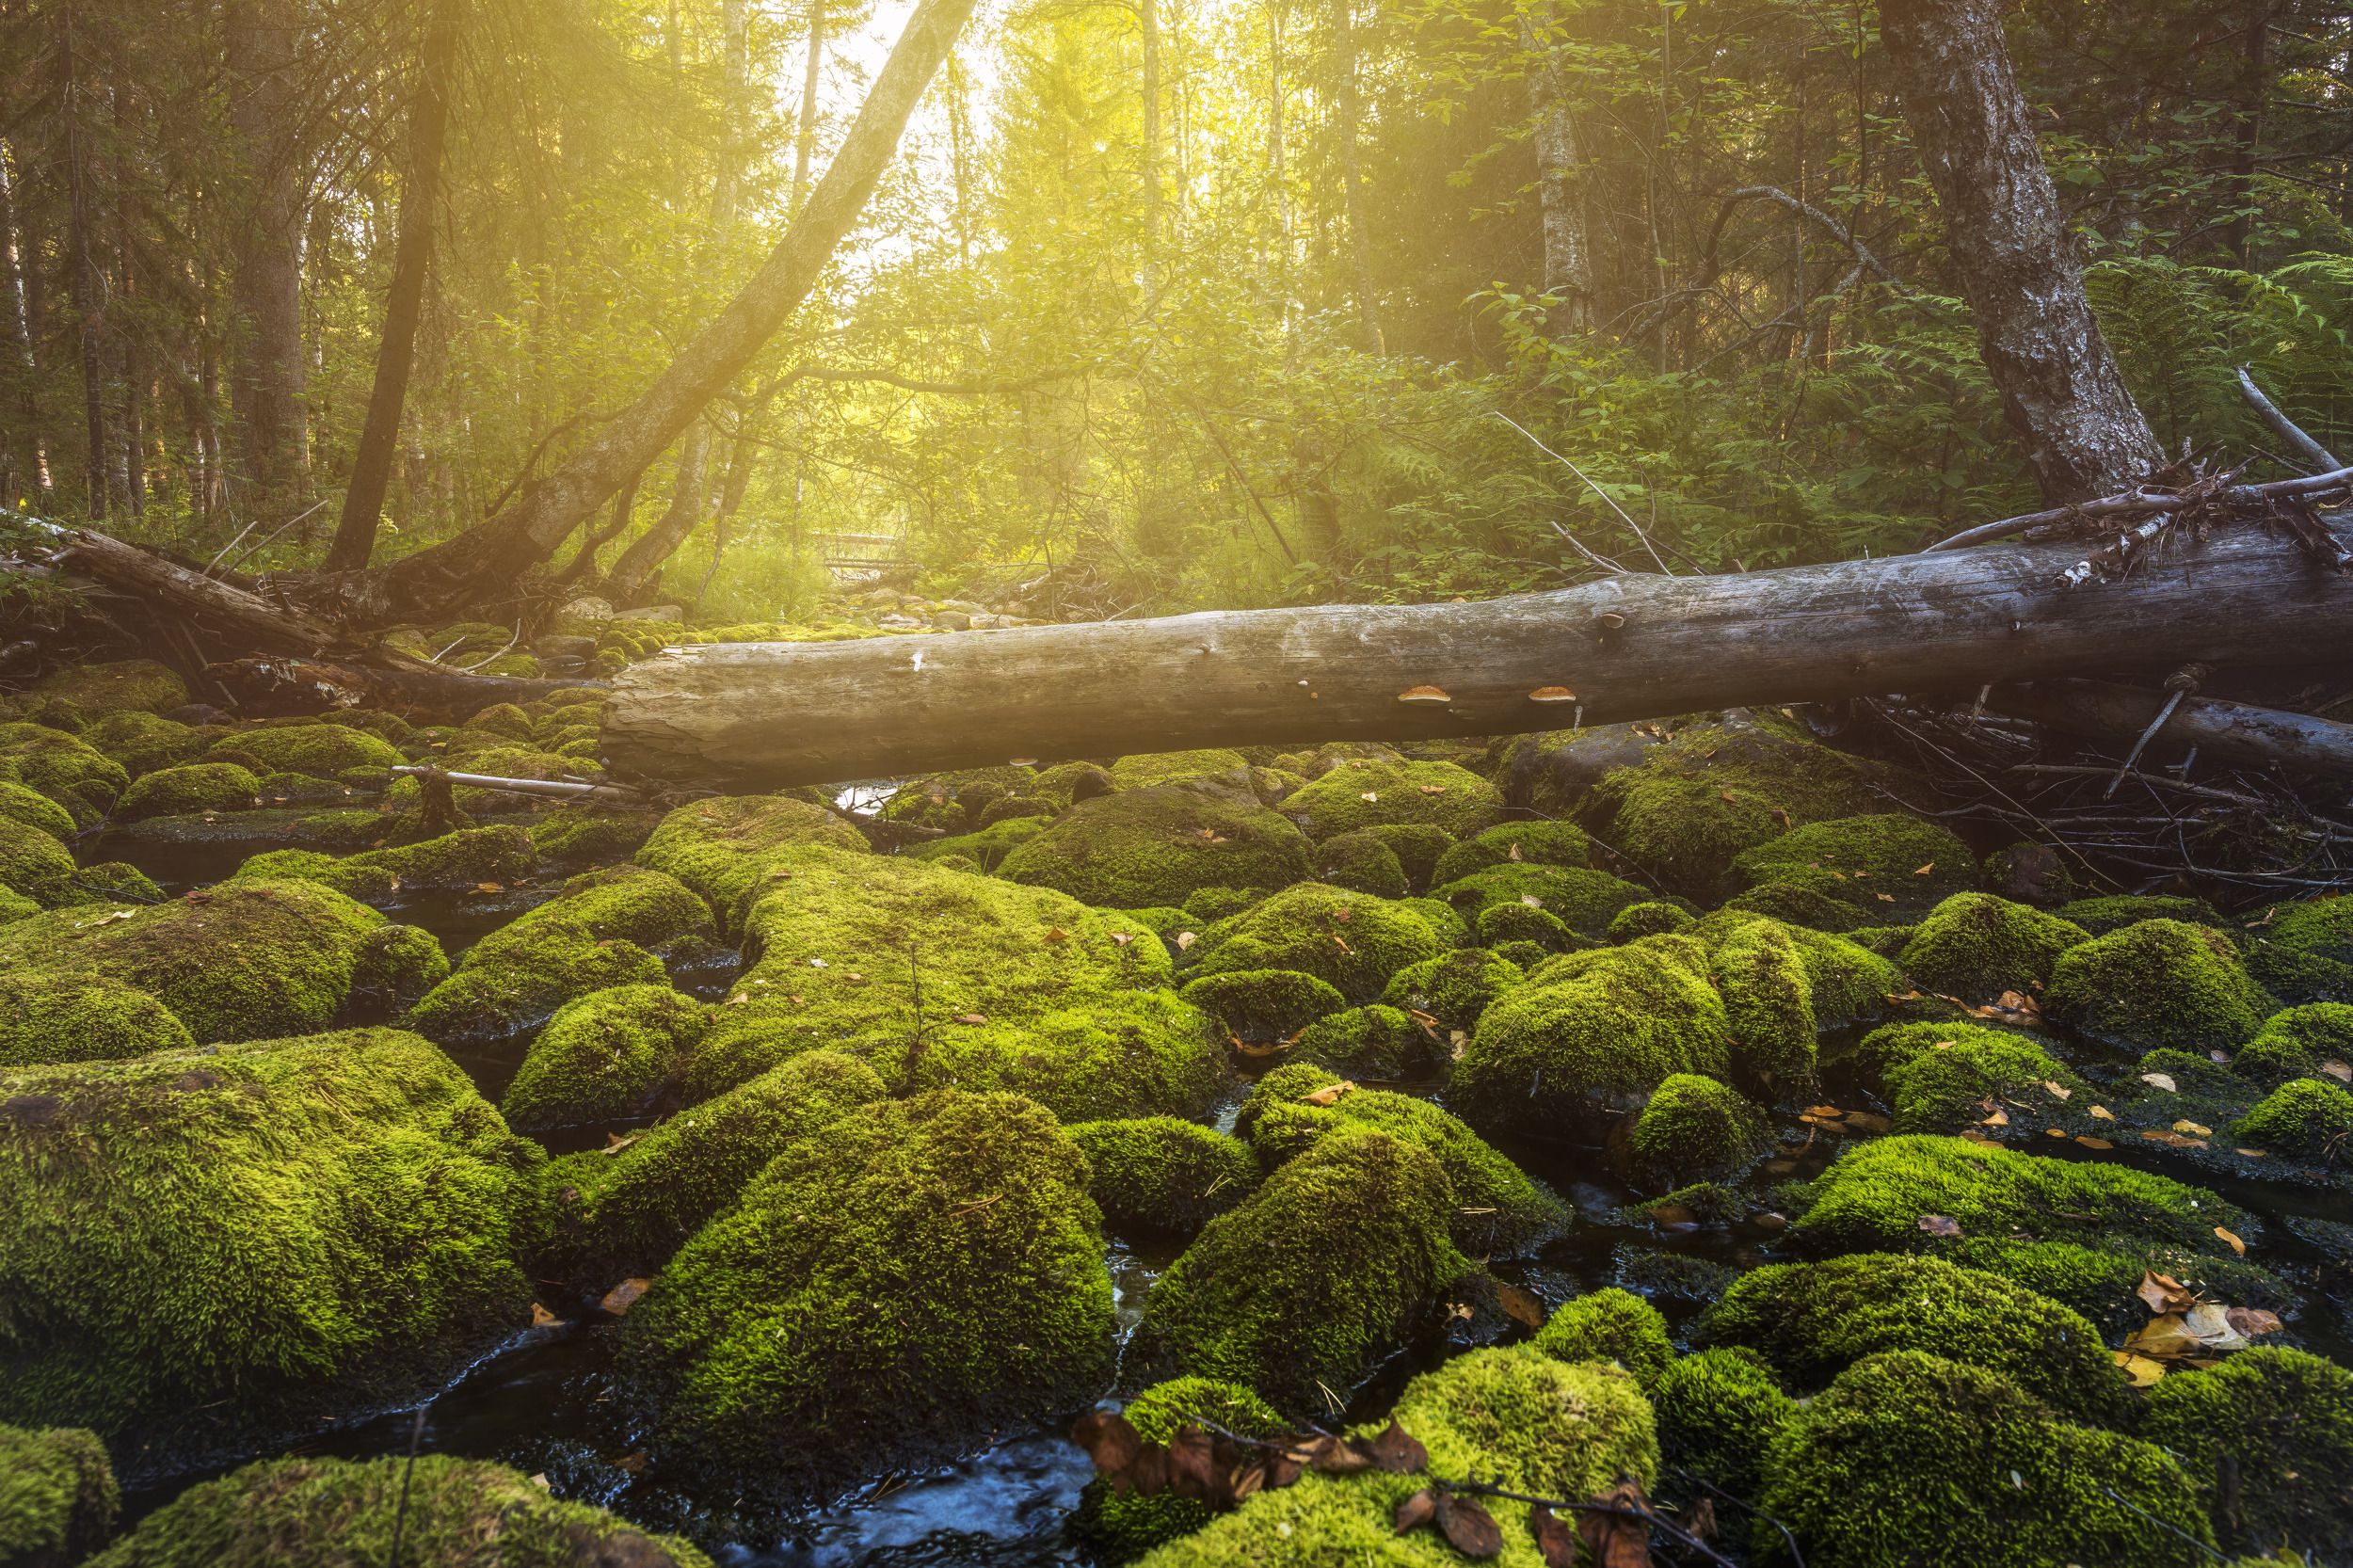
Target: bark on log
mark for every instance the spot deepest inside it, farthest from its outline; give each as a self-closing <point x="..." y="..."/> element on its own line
<point x="2234" y="730"/>
<point x="272" y="686"/>
<point x="765" y="716"/>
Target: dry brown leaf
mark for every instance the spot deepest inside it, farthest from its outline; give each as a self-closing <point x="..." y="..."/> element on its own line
<point x="2159" y="1081"/>
<point x="1468" y="1528"/>
<point x="1055" y="934"/>
<point x="1431" y="789"/>
<point x="974" y="1019"/>
<point x="1999" y="1119"/>
<point x="1615" y="1540"/>
<point x="1395" y="1451"/>
<point x="2252" y="1322"/>
<point x="1521" y="1305"/>
<point x="618" y="1301"/>
<point x="2251" y="1154"/>
<point x="1328" y="1094"/>
<point x="1369" y="796"/>
<point x="2232" y="1241"/>
<point x="542" y="1318"/>
<point x="2100" y="1113"/>
<point x="2193" y="1128"/>
<point x="1939" y="1224"/>
<point x="1185" y="939"/>
<point x="2056" y="1090"/>
<point x="1555" y="1543"/>
<point x="2341" y="1071"/>
<point x="1728" y="798"/>
<point x="1415" y="1511"/>
<point x="2139" y="1371"/>
<point x="2088" y="1141"/>
<point x="2164" y="1293"/>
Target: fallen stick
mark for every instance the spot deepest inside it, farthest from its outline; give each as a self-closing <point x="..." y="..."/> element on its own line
<point x="551" y="789"/>
<point x="765" y="715"/>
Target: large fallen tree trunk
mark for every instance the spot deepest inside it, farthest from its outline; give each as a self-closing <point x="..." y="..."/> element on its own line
<point x="2236" y="731"/>
<point x="763" y="716"/>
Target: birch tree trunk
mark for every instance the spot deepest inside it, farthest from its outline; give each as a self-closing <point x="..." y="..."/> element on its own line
<point x="1560" y="196"/>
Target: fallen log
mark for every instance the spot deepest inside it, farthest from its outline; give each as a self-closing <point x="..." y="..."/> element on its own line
<point x="2235" y="731"/>
<point x="274" y="684"/>
<point x="765" y="716"/>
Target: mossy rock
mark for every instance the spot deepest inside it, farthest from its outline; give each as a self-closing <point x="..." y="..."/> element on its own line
<point x="627" y="1209"/>
<point x="1455" y="987"/>
<point x="1609" y="1325"/>
<point x="1696" y="1129"/>
<point x="1651" y="917"/>
<point x="250" y="1230"/>
<point x="1498" y="1211"/>
<point x="2267" y="1438"/>
<point x="1844" y="983"/>
<point x="468" y="857"/>
<point x="192" y="787"/>
<point x="2307" y="1118"/>
<point x="29" y="808"/>
<point x="2029" y="873"/>
<point x="1149" y="770"/>
<point x="891" y="1290"/>
<point x="2306" y="952"/>
<point x="320" y="750"/>
<point x="1584" y="899"/>
<point x="1324" y="1272"/>
<point x="335" y="1514"/>
<point x="1945" y="1466"/>
<point x="241" y="961"/>
<point x="1811" y="900"/>
<point x="1873" y="1198"/>
<point x="1513" y="1417"/>
<point x="2158" y="983"/>
<point x="1157" y="846"/>
<point x="1540" y="844"/>
<point x="1812" y="1320"/>
<point x="1367" y="793"/>
<point x="2099" y="1279"/>
<point x="1361" y="862"/>
<point x="1164" y="1174"/>
<point x="586" y="835"/>
<point x="1374" y="1041"/>
<point x="69" y="771"/>
<point x="1589" y="1036"/>
<point x="2294" y="1042"/>
<point x="1719" y="1414"/>
<point x="940" y="978"/>
<point x="605" y="1057"/>
<point x="1352" y="942"/>
<point x="36" y="865"/>
<point x="1120" y="1526"/>
<point x="1974" y="946"/>
<point x="1942" y="1077"/>
<point x="126" y="685"/>
<point x="91" y="1018"/>
<point x="983" y="849"/>
<point x="953" y="801"/>
<point x="1419" y="846"/>
<point x="1895" y="865"/>
<point x="1258" y="1005"/>
<point x="2114" y="912"/>
<point x="725" y="848"/>
<point x="606" y="928"/>
<point x="57" y="1496"/>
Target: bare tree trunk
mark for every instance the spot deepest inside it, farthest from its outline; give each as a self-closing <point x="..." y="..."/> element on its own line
<point x="1352" y="174"/>
<point x="23" y="367"/>
<point x="88" y="288"/>
<point x="1560" y="191"/>
<point x="266" y="380"/>
<point x="646" y="554"/>
<point x="412" y="263"/>
<point x="2059" y="385"/>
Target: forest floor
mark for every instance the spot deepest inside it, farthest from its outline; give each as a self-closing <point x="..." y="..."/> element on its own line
<point x="776" y="1178"/>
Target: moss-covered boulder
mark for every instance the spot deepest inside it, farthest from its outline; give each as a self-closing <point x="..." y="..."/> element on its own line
<point x="2295" y="1041"/>
<point x="1258" y="1005"/>
<point x="604" y="929"/>
<point x="1589" y="1036"/>
<point x="192" y="787"/>
<point x="1695" y="1130"/>
<point x="36" y="865"/>
<point x="941" y="977"/>
<point x="1812" y="1320"/>
<point x="1942" y="1077"/>
<point x="1892" y="867"/>
<point x="2267" y="1438"/>
<point x="1417" y="845"/>
<point x="1164" y="1174"/>
<point x="1498" y="1211"/>
<point x="1455" y="988"/>
<point x="891" y="1289"/>
<point x="1910" y="1458"/>
<point x="1364" y="794"/>
<point x="1875" y="1196"/>
<point x="1719" y="1414"/>
<point x="1535" y="842"/>
<point x="628" y="1207"/>
<point x="125" y="685"/>
<point x="337" y="1514"/>
<point x="2306" y="952"/>
<point x="1376" y="1042"/>
<point x="240" y="961"/>
<point x="2115" y="911"/>
<point x="319" y="750"/>
<point x="1579" y="897"/>
<point x="1651" y="917"/>
<point x="1350" y="941"/>
<point x="57" y="1496"/>
<point x="201" y="1242"/>
<point x="731" y="848"/>
<point x="1157" y="846"/>
<point x="1362" y="863"/>
<point x="2099" y="1280"/>
<point x="605" y="1057"/>
<point x="2158" y="983"/>
<point x="1974" y="946"/>
<point x="89" y="1018"/>
<point x="466" y="858"/>
<point x="1120" y="1526"/>
<point x="143" y="742"/>
<point x="2306" y="1118"/>
<point x="29" y="808"/>
<point x="1326" y="1269"/>
<point x="63" y="767"/>
<point x="1608" y="1325"/>
<point x="586" y="834"/>
<point x="1149" y="770"/>
<point x="1513" y="1417"/>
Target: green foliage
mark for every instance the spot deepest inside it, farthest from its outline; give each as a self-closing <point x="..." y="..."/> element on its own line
<point x="1609" y="1325"/>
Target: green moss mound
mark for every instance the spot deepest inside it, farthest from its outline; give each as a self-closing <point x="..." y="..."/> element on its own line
<point x="1164" y="1174"/>
<point x="1974" y="946"/>
<point x="1121" y="1528"/>
<point x="984" y="849"/>
<point x="1498" y="1211"/>
<point x="1455" y="987"/>
<point x="587" y="834"/>
<point x="2114" y="912"/>
<point x="29" y="808"/>
<point x="728" y="848"/>
<point x="1307" y="1286"/>
<point x="225" y="1230"/>
<point x="1652" y="918"/>
<point x="337" y="1514"/>
<point x="1158" y="846"/>
<point x="1374" y="1041"/>
<point x="1812" y="1320"/>
<point x="607" y="1056"/>
<point x="241" y="961"/>
<point x="126" y="685"/>
<point x="1363" y="793"/>
<point x="2267" y="1438"/>
<point x="1896" y="866"/>
<point x="1541" y="844"/>
<point x="36" y="865"/>
<point x="1589" y="1036"/>
<point x="46" y="1019"/>
<point x="1908" y="1458"/>
<point x="2158" y="983"/>
<point x="1419" y="847"/>
<point x="193" y="787"/>
<point x="1263" y="1004"/>
<point x="1362" y="863"/>
<point x="628" y="1207"/>
<point x="1580" y="898"/>
<point x="894" y="1286"/>
<point x="57" y="1496"/>
<point x="606" y="929"/>
<point x="1719" y="1414"/>
<point x="1874" y="1196"/>
<point x="1513" y="1417"/>
<point x="76" y="777"/>
<point x="2307" y="1118"/>
<point x="2294" y="1042"/>
<point x="143" y="742"/>
<point x="1609" y="1325"/>
<point x="1148" y="770"/>
<point x="466" y="858"/>
<point x="941" y="977"/>
<point x="1696" y="1129"/>
<point x="2306" y="954"/>
<point x="1940" y="1077"/>
<point x="320" y="750"/>
<point x="1352" y="942"/>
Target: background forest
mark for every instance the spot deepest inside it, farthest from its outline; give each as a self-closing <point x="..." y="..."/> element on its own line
<point x="1198" y="301"/>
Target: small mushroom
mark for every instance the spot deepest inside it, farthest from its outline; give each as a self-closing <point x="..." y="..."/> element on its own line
<point x="1611" y="620"/>
<point x="1552" y="694"/>
<point x="1423" y="694"/>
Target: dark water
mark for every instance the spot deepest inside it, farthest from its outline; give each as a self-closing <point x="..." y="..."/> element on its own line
<point x="536" y="1403"/>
